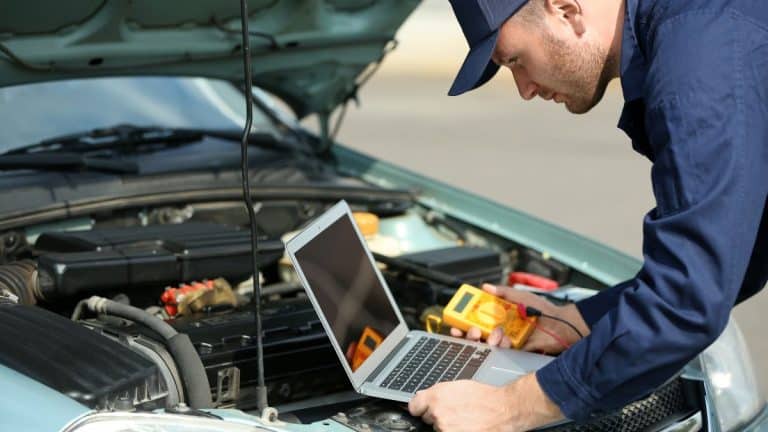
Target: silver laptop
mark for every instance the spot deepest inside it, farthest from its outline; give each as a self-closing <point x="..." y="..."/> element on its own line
<point x="356" y="307"/>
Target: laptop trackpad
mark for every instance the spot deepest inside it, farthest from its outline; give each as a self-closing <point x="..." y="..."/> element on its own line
<point x="505" y="365"/>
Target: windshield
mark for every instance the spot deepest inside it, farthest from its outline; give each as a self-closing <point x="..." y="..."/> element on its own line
<point x="33" y="112"/>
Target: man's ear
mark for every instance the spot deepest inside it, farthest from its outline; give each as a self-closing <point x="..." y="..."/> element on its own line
<point x="569" y="11"/>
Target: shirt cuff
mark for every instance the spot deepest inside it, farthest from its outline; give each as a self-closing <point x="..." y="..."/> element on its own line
<point x="559" y="385"/>
<point x="593" y="308"/>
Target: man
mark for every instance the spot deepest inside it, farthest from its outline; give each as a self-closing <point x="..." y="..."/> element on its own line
<point x="694" y="75"/>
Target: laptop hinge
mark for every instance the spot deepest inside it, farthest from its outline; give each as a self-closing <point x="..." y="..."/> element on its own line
<point x="387" y="359"/>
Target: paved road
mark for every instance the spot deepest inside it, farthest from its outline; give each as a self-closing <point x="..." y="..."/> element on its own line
<point x="576" y="171"/>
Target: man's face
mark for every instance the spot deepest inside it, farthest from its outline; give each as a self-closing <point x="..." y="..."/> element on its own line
<point x="548" y="59"/>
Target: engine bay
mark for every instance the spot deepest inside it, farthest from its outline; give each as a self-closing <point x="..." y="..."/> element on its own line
<point x="188" y="268"/>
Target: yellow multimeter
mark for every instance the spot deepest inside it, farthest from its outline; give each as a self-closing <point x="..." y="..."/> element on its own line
<point x="473" y="307"/>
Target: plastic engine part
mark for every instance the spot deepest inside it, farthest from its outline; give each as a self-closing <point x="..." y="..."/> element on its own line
<point x="103" y="259"/>
<point x="92" y="369"/>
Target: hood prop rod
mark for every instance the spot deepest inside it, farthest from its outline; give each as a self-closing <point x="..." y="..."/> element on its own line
<point x="261" y="389"/>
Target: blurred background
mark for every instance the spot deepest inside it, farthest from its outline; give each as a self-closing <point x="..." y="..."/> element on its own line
<point x="579" y="172"/>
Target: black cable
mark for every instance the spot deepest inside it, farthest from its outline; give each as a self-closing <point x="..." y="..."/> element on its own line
<point x="339" y="121"/>
<point x="532" y="311"/>
<point x="261" y="389"/>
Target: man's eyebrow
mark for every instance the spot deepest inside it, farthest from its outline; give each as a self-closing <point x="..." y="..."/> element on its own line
<point x="501" y="61"/>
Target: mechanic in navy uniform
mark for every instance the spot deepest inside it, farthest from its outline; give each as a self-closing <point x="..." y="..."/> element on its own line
<point x="694" y="74"/>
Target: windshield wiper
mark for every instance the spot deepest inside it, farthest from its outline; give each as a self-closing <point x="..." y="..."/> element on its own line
<point x="128" y="138"/>
<point x="65" y="162"/>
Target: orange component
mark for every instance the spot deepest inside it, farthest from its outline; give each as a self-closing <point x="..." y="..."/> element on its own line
<point x="172" y="296"/>
<point x="369" y="341"/>
<point x="367" y="222"/>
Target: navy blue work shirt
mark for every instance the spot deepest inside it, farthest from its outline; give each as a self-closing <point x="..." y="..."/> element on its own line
<point x="695" y="80"/>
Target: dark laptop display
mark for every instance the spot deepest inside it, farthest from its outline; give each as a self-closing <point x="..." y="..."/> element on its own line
<point x="347" y="289"/>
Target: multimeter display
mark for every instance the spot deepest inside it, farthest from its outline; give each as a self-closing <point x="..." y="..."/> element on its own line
<point x="463" y="302"/>
<point x="472" y="307"/>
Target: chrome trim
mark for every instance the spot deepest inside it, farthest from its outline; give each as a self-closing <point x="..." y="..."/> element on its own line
<point x="691" y="424"/>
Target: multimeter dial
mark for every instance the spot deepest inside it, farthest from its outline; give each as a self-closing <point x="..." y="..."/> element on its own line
<point x="491" y="313"/>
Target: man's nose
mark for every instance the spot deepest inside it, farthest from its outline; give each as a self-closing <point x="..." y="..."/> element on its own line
<point x="527" y="88"/>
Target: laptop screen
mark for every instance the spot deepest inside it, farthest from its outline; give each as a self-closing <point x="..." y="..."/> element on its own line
<point x="348" y="290"/>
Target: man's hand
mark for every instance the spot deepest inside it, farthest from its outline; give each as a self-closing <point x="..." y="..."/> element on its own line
<point x="467" y="406"/>
<point x="550" y="336"/>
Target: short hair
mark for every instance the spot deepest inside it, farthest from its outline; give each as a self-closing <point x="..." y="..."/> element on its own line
<point x="532" y="12"/>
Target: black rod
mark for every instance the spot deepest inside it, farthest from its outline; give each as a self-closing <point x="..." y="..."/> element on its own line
<point x="261" y="389"/>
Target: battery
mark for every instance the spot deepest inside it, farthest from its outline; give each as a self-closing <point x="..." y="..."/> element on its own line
<point x="472" y="265"/>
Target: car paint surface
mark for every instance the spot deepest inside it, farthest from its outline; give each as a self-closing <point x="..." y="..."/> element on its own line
<point x="28" y="405"/>
<point x="309" y="52"/>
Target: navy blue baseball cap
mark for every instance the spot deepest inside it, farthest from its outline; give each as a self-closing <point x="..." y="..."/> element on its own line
<point x="480" y="21"/>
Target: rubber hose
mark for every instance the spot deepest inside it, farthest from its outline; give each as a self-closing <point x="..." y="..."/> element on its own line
<point x="20" y="278"/>
<point x="190" y="366"/>
<point x="192" y="371"/>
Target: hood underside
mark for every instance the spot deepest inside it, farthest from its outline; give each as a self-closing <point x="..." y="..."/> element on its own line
<point x="308" y="52"/>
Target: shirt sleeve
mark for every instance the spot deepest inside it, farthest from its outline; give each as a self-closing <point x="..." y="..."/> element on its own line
<point x="707" y="126"/>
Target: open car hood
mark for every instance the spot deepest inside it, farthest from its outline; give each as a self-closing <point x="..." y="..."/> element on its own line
<point x="310" y="53"/>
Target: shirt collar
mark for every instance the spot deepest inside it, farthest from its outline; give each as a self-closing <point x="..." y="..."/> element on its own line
<point x="632" y="61"/>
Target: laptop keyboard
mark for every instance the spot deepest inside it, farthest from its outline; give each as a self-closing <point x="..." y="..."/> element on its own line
<point x="431" y="361"/>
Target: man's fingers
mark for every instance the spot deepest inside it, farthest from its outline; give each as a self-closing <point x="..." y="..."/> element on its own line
<point x="534" y="346"/>
<point x="492" y="289"/>
<point x="474" y="334"/>
<point x="418" y="405"/>
<point x="543" y="344"/>
<point x="456" y="332"/>
<point x="505" y="342"/>
<point x="428" y="418"/>
<point x="494" y="339"/>
<point x="516" y="296"/>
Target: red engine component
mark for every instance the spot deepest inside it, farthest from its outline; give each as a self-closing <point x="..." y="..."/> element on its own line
<point x="532" y="280"/>
<point x="173" y="296"/>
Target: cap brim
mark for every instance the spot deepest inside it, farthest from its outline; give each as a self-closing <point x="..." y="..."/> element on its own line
<point x="478" y="67"/>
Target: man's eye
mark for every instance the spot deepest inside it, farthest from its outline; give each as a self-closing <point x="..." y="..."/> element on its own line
<point x="512" y="61"/>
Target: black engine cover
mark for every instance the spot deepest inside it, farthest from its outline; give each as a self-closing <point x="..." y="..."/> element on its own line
<point x="105" y="259"/>
<point x="299" y="361"/>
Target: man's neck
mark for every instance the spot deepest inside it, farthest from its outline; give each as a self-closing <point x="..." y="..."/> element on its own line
<point x="608" y="21"/>
<point x="616" y="35"/>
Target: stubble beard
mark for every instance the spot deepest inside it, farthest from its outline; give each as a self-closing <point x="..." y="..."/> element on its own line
<point x="581" y="72"/>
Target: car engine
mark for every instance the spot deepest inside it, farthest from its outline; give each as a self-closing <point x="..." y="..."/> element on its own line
<point x="185" y="280"/>
<point x="143" y="264"/>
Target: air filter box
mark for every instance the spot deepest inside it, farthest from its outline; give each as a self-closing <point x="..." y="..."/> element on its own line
<point x="88" y="367"/>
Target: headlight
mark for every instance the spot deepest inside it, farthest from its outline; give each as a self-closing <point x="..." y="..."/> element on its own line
<point x="126" y="422"/>
<point x="730" y="380"/>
